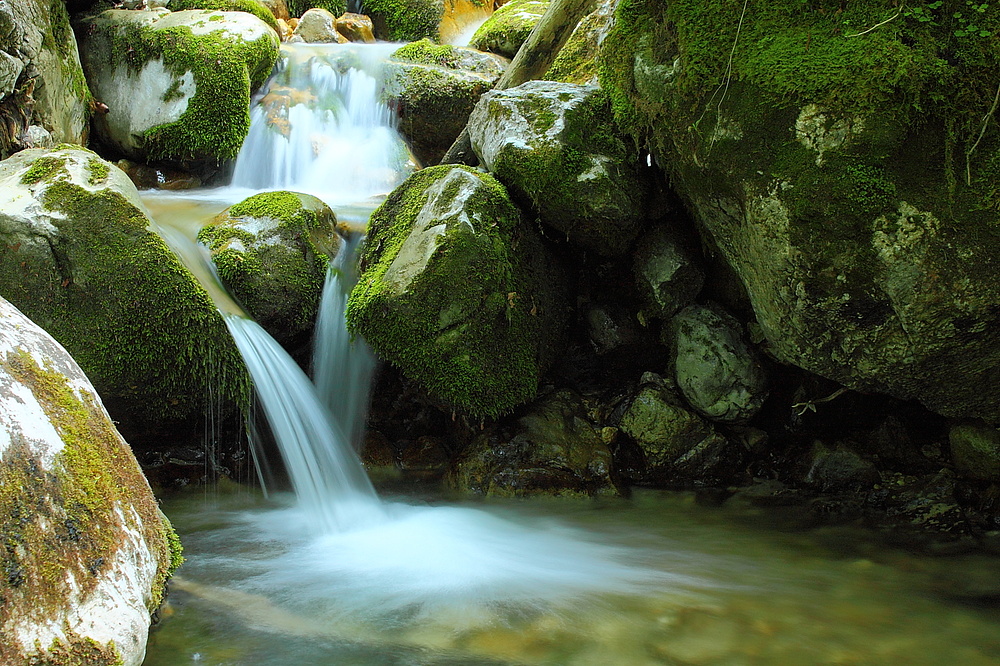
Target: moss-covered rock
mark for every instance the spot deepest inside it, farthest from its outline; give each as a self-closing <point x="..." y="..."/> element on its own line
<point x="577" y="60"/>
<point x="43" y="94"/>
<point x="507" y="28"/>
<point x="78" y="257"/>
<point x="297" y="8"/>
<point x="556" y="147"/>
<point x="553" y="450"/>
<point x="178" y="84"/>
<point x="405" y="20"/>
<point x="458" y="291"/>
<point x="272" y="252"/>
<point x="255" y="7"/>
<point x="843" y="159"/>
<point x="84" y="549"/>
<point x="433" y="89"/>
<point x="975" y="450"/>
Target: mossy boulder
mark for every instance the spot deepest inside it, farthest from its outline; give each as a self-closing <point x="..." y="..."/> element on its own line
<point x="78" y="256"/>
<point x="433" y="89"/>
<point x="556" y="147"/>
<point x="458" y="291"/>
<point x="84" y="549"/>
<point x="255" y="7"/>
<point x="405" y="20"/>
<point x="43" y="94"/>
<point x="554" y="449"/>
<point x="577" y="59"/>
<point x="177" y="85"/>
<point x="843" y="159"/>
<point x="507" y="28"/>
<point x="668" y="276"/>
<point x="272" y="252"/>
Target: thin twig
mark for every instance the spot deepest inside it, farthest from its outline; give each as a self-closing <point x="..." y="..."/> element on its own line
<point x="878" y="25"/>
<point x="982" y="132"/>
<point x="810" y="405"/>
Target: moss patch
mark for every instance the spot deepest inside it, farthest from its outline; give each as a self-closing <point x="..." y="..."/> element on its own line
<point x="44" y="168"/>
<point x="507" y="28"/>
<point x="249" y="6"/>
<point x="405" y="20"/>
<point x="297" y="8"/>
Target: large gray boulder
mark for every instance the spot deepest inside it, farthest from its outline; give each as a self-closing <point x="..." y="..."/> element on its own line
<point x="86" y="552"/>
<point x="555" y="146"/>
<point x="44" y="98"/>
<point x="861" y="220"/>
<point x="667" y="274"/>
<point x="719" y="373"/>
<point x="177" y="85"/>
<point x="79" y="257"/>
<point x="458" y="291"/>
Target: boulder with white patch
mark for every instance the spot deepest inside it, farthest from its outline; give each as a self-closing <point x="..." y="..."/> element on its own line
<point x="85" y="550"/>
<point x="556" y="147"/>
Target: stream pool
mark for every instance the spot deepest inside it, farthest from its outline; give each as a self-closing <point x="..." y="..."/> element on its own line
<point x="657" y="579"/>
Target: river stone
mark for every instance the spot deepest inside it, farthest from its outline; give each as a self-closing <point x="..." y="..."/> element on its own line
<point x="78" y="256"/>
<point x="975" y="450"/>
<point x="555" y="450"/>
<point x="840" y="470"/>
<point x="272" y="252"/>
<point x="86" y="550"/>
<point x="40" y="73"/>
<point x="433" y="89"/>
<point x="355" y="27"/>
<point x="507" y="28"/>
<point x="319" y="26"/>
<point x="667" y="276"/>
<point x="165" y="103"/>
<point x="863" y="231"/>
<point x="718" y="372"/>
<point x="555" y="147"/>
<point x="675" y="441"/>
<point x="458" y="291"/>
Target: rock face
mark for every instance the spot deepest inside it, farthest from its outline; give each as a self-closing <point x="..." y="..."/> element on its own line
<point x="555" y="146"/>
<point x="272" y="252"/>
<point x="458" y="291"/>
<point x="177" y="85"/>
<point x="86" y="552"/>
<point x="863" y="225"/>
<point x="44" y="98"/>
<point x="718" y="372"/>
<point x="507" y="28"/>
<point x="79" y="258"/>
<point x="555" y="450"/>
<point x="433" y="89"/>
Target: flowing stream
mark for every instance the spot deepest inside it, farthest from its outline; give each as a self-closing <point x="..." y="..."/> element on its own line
<point x="333" y="574"/>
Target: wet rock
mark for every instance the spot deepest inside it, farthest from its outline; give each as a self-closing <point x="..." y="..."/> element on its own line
<point x="459" y="16"/>
<point x="87" y="552"/>
<point x="272" y="252"/>
<point x="924" y="508"/>
<point x="577" y="60"/>
<point x="718" y="372"/>
<point x="554" y="449"/>
<point x="458" y="292"/>
<point x="975" y="450"/>
<point x="148" y="178"/>
<point x="554" y="146"/>
<point x="610" y="329"/>
<point x="840" y="469"/>
<point x="278" y="8"/>
<point x="355" y="27"/>
<point x="433" y="89"/>
<point x="667" y="275"/>
<point x="318" y="26"/>
<point x="508" y="27"/>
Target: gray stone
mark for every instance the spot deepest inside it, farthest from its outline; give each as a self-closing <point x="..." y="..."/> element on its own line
<point x="317" y="26"/>
<point x="718" y="372"/>
<point x="667" y="275"/>
<point x="840" y="469"/>
<point x="10" y="70"/>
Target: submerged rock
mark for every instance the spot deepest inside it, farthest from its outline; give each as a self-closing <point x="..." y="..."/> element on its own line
<point x="718" y="372"/>
<point x="86" y="552"/>
<point x="433" y="89"/>
<point x="862" y="224"/>
<point x="555" y="146"/>
<point x="459" y="292"/>
<point x="77" y="255"/>
<point x="272" y="252"/>
<point x="177" y="85"/>
<point x="507" y="28"/>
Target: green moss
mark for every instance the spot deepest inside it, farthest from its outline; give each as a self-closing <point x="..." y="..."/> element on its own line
<point x="405" y="20"/>
<point x="99" y="170"/>
<point x="44" y="168"/>
<point x="297" y="8"/>
<point x="281" y="205"/>
<point x="577" y="60"/>
<point x="507" y="28"/>
<point x="467" y="327"/>
<point x="64" y="523"/>
<point x="249" y="6"/>
<point x="426" y="52"/>
<point x="225" y="71"/>
<point x="75" y="651"/>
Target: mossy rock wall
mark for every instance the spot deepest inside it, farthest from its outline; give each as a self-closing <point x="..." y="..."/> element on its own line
<point x="405" y="20"/>
<point x="843" y="159"/>
<point x="178" y="84"/>
<point x="272" y="252"/>
<point x="84" y="549"/>
<point x="458" y="292"/>
<point x="78" y="256"/>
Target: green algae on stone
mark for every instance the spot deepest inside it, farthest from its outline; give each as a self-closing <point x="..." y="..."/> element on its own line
<point x="457" y="292"/>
